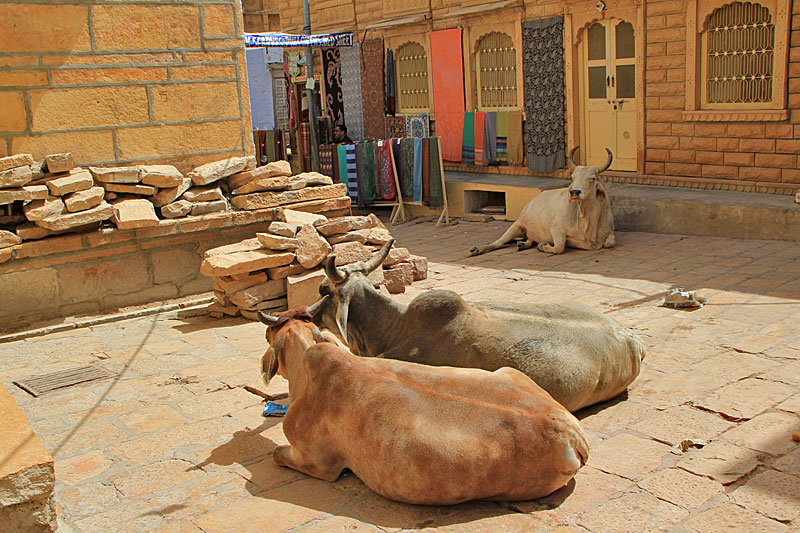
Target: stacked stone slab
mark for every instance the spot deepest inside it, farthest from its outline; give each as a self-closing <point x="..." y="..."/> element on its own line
<point x="55" y="195"/>
<point x="282" y="268"/>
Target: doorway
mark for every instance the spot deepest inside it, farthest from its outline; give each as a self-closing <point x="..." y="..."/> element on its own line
<point x="608" y="93"/>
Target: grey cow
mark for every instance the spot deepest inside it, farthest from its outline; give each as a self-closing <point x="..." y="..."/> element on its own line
<point x="578" y="216"/>
<point x="577" y="355"/>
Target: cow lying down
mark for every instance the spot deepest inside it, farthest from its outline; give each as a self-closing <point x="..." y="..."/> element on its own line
<point x="415" y="433"/>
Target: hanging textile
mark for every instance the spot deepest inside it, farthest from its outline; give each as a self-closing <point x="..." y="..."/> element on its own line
<point x="332" y="68"/>
<point x="352" y="172"/>
<point x="280" y="147"/>
<point x="397" y="151"/>
<point x="417" y="125"/>
<point x="395" y="127"/>
<point x="341" y="159"/>
<point x="391" y="89"/>
<point x="479" y="124"/>
<point x="426" y="170"/>
<point x="324" y="130"/>
<point x="515" y="148"/>
<point x="417" y="185"/>
<point x="407" y="176"/>
<point x="259" y="80"/>
<point x="490" y="138"/>
<point x="262" y="145"/>
<point x="543" y="72"/>
<point x="502" y="136"/>
<point x="372" y="93"/>
<point x="294" y="113"/>
<point x="270" y="144"/>
<point x="351" y="91"/>
<point x="365" y="167"/>
<point x="257" y="144"/>
<point x="305" y="140"/>
<point x="468" y="143"/>
<point x="385" y="173"/>
<point x="448" y="90"/>
<point x="326" y="159"/>
<point x="376" y="165"/>
<point x="436" y="194"/>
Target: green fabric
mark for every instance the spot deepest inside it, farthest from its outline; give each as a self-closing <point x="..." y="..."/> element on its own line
<point x="370" y="188"/>
<point x="468" y="142"/>
<point x="270" y="145"/>
<point x="407" y="185"/>
<point x="436" y="194"/>
<point x="341" y="155"/>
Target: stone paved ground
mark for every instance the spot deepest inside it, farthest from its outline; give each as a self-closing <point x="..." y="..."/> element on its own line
<point x="176" y="444"/>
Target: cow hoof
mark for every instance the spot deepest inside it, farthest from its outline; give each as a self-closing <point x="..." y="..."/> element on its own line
<point x="521" y="246"/>
<point x="475" y="251"/>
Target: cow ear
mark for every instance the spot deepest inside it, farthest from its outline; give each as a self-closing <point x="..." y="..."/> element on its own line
<point x="269" y="366"/>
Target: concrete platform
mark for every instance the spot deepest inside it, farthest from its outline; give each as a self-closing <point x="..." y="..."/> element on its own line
<point x="671" y="210"/>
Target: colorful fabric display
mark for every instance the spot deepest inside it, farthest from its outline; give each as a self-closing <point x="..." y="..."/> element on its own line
<point x="448" y="90"/>
<point x="490" y="138"/>
<point x="372" y="92"/>
<point x="385" y="172"/>
<point x="397" y="152"/>
<point x="257" y="143"/>
<point x="280" y="150"/>
<point x="326" y="159"/>
<point x="341" y="159"/>
<point x="407" y="183"/>
<point x="351" y="91"/>
<point x="395" y="127"/>
<point x="480" y="118"/>
<point x="332" y="68"/>
<point x="515" y="142"/>
<point x="436" y="198"/>
<point x="468" y="143"/>
<point x="543" y="75"/>
<point x="417" y="125"/>
<point x="270" y="144"/>
<point x="417" y="184"/>
<point x="305" y="140"/>
<point x="391" y="89"/>
<point x="426" y="170"/>
<point x="365" y="171"/>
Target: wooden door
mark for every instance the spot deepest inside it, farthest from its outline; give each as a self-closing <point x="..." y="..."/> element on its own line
<point x="608" y="94"/>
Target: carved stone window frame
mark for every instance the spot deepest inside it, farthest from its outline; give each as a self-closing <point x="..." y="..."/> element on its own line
<point x="698" y="12"/>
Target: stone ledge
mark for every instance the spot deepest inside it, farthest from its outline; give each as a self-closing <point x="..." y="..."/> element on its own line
<point x="27" y="473"/>
<point x="72" y="242"/>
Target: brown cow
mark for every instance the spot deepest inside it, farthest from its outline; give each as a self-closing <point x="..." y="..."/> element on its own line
<point x="415" y="433"/>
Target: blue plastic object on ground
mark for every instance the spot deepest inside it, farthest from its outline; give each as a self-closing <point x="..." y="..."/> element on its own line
<point x="274" y="409"/>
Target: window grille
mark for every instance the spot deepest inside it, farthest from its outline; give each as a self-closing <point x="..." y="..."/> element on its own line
<point x="740" y="41"/>
<point x="412" y="77"/>
<point x="497" y="71"/>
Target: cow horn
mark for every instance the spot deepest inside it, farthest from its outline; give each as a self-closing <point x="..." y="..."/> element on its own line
<point x="572" y="164"/>
<point x="332" y="271"/>
<point x="376" y="260"/>
<point x="314" y="308"/>
<point x="269" y="320"/>
<point x="341" y="318"/>
<point x="608" y="162"/>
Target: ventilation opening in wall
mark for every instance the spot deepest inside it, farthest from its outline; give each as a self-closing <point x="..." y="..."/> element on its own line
<point x="485" y="202"/>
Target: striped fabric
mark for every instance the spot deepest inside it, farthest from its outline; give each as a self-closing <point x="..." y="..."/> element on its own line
<point x="480" y="118"/>
<point x="417" y="185"/>
<point x="352" y="172"/>
<point x="468" y="143"/>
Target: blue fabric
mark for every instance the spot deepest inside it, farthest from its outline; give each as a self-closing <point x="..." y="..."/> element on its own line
<point x="417" y="169"/>
<point x="352" y="172"/>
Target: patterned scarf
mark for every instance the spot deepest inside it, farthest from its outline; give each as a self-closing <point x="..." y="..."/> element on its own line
<point x="332" y="66"/>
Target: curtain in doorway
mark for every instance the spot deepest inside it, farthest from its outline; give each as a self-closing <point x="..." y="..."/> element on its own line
<point x="332" y="67"/>
<point x="448" y="90"/>
<point x="543" y="72"/>
<point x="351" y="91"/>
<point x="372" y="93"/>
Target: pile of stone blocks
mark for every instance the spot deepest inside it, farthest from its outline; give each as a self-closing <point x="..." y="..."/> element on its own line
<point x="282" y="268"/>
<point x="53" y="196"/>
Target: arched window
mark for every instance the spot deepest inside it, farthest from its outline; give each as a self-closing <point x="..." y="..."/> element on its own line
<point x="412" y="78"/>
<point x="738" y="48"/>
<point x="496" y="66"/>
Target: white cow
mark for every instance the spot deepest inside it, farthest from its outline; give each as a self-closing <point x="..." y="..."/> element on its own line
<point x="578" y="216"/>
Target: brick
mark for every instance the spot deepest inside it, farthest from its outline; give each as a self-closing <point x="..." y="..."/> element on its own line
<point x="672" y="102"/>
<point x="676" y="74"/>
<point x="158" y="141"/>
<point x="727" y="144"/>
<point x="134" y="213"/>
<point x="785" y="146"/>
<point x="676" y="48"/>
<point x="275" y="199"/>
<point x="218" y="20"/>
<point x="658" y="128"/>
<point x="667" y="115"/>
<point x="44" y="27"/>
<point x="79" y="180"/>
<point x="55" y="109"/>
<point x="655" y="154"/>
<point x="710" y="130"/>
<point x="665" y="7"/>
<point x="685" y="129"/>
<point x="776" y="160"/>
<point x="195" y="101"/>
<point x="102" y="59"/>
<point x="656" y="49"/>
<point x="651" y="167"/>
<point x="108" y="75"/>
<point x="682" y="169"/>
<point x="709" y="158"/>
<point x="776" y="131"/>
<point x="132" y="27"/>
<point x="11" y="78"/>
<point x="657" y="141"/>
<point x="666" y="62"/>
<point x="81" y="218"/>
<point x="681" y="156"/>
<point x="19" y="61"/>
<point x="655" y="22"/>
<point x="746" y="130"/>
<point x="12" y="111"/>
<point x="655" y="75"/>
<point x="198" y="72"/>
<point x="788" y="175"/>
<point x="675" y="20"/>
<point x="698" y="143"/>
<point x="652" y="102"/>
<point x="718" y="171"/>
<point x="757" y="145"/>
<point x="740" y="159"/>
<point x="86" y="146"/>
<point x="662" y="89"/>
<point x="208" y="57"/>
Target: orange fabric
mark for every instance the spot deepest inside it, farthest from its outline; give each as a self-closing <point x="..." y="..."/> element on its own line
<point x="480" y="122"/>
<point x="448" y="90"/>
